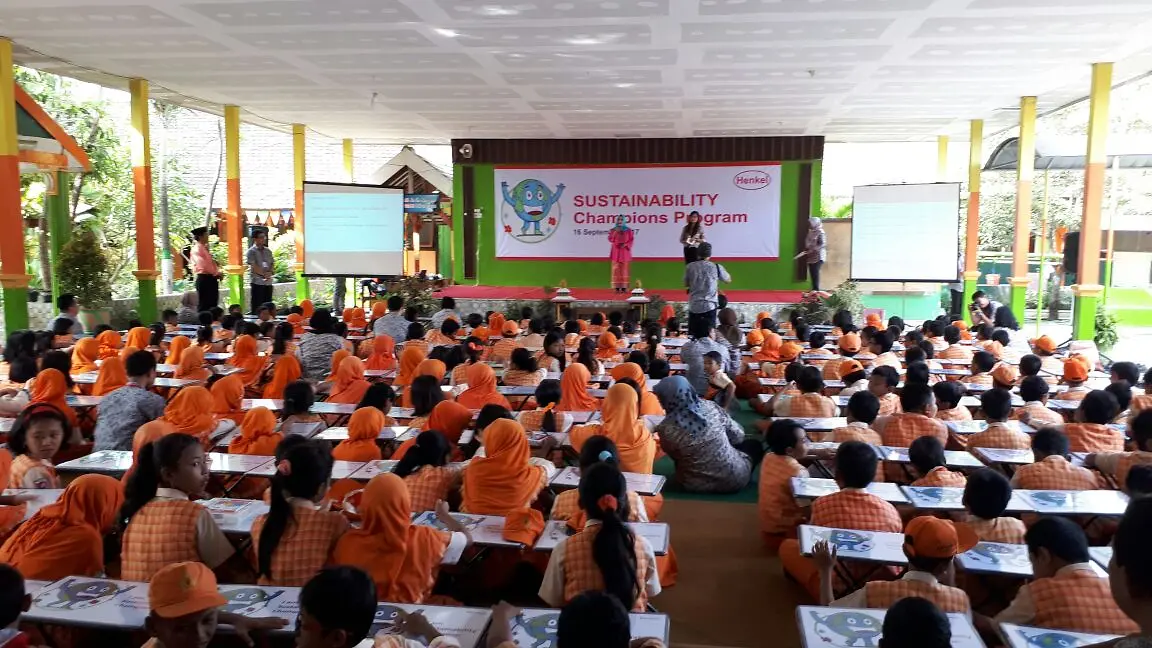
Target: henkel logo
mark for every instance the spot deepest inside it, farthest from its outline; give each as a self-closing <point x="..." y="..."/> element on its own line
<point x="752" y="180"/>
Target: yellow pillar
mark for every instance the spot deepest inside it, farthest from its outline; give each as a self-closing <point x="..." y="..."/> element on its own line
<point x="235" y="267"/>
<point x="1025" y="172"/>
<point x="941" y="158"/>
<point x="349" y="164"/>
<point x="299" y="136"/>
<point x="1087" y="289"/>
<point x="146" y="273"/>
<point x="13" y="276"/>
<point x="972" y="233"/>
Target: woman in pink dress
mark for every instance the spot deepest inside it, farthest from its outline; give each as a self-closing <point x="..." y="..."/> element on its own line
<point x="621" y="237"/>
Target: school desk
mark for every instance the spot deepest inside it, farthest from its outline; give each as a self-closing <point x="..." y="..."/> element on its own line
<point x="6" y="425"/>
<point x="672" y="366"/>
<point x="965" y="428"/>
<point x="1106" y="503"/>
<point x="821" y="627"/>
<point x="578" y="418"/>
<point x="237" y="464"/>
<point x="860" y="546"/>
<point x="105" y="462"/>
<point x="234" y="516"/>
<point x="809" y="488"/>
<point x="1018" y="636"/>
<point x="947" y="498"/>
<point x="656" y="533"/>
<point x="950" y="373"/>
<point x="340" y="469"/>
<point x="379" y="374"/>
<point x="780" y="382"/>
<point x="1101" y="556"/>
<point x="276" y="404"/>
<point x="816" y="424"/>
<point x="1000" y="559"/>
<point x="646" y="485"/>
<point x="338" y="434"/>
<point x="220" y="370"/>
<point x="217" y="357"/>
<point x="41" y="497"/>
<point x="79" y="402"/>
<point x="536" y="627"/>
<point x="1006" y="456"/>
<point x="487" y="530"/>
<point x="952" y="458"/>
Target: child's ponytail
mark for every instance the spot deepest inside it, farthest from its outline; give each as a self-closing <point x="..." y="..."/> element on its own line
<point x="302" y="472"/>
<point x="604" y="497"/>
<point x="431" y="449"/>
<point x="165" y="452"/>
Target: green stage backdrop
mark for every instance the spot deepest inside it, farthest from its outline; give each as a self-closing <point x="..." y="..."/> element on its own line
<point x="662" y="275"/>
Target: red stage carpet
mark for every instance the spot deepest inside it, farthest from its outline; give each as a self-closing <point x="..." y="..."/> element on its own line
<point x="607" y="294"/>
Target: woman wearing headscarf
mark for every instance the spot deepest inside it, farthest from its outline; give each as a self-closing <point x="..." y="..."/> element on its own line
<point x="621" y="423"/>
<point x="448" y="418"/>
<point x="574" y="396"/>
<point x="481" y="388"/>
<point x="244" y="358"/>
<point x="427" y="367"/>
<point x="503" y="481"/>
<point x="191" y="366"/>
<point x="227" y="398"/>
<point x="67" y="538"/>
<point x="138" y="337"/>
<point x="307" y="308"/>
<point x="621" y="238"/>
<point x="110" y="343"/>
<point x="383" y="356"/>
<point x="285" y="372"/>
<point x="84" y="356"/>
<point x="409" y="360"/>
<point x="177" y="347"/>
<point x="112" y="376"/>
<point x="815" y="250"/>
<point x="189" y="412"/>
<point x="258" y="435"/>
<point x="50" y="387"/>
<point x="649" y="404"/>
<point x="363" y="429"/>
<point x="402" y="558"/>
<point x="349" y="386"/>
<point x="606" y="348"/>
<point x="707" y="446"/>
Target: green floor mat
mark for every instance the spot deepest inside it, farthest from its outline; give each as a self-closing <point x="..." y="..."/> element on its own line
<point x="746" y="417"/>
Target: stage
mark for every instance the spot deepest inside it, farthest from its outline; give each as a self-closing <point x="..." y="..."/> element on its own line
<point x="529" y="293"/>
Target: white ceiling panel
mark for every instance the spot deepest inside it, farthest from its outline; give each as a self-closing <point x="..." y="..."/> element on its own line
<point x="428" y="70"/>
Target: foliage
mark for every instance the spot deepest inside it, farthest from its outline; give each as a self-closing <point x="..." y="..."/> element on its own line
<point x="283" y="257"/>
<point x="818" y="308"/>
<point x="83" y="270"/>
<point x="1106" y="329"/>
<point x="838" y="211"/>
<point x="416" y="292"/>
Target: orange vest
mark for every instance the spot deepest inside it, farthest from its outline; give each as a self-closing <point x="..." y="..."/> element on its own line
<point x="581" y="573"/>
<point x="882" y="594"/>
<point x="161" y="533"/>
<point x="1078" y="601"/>
<point x="305" y="546"/>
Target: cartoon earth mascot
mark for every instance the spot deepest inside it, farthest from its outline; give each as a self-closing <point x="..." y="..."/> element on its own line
<point x="531" y="200"/>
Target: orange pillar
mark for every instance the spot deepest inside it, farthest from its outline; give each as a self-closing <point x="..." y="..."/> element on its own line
<point x="1087" y="289"/>
<point x="13" y="276"/>
<point x="972" y="234"/>
<point x="299" y="168"/>
<point x="146" y="273"/>
<point x="235" y="268"/>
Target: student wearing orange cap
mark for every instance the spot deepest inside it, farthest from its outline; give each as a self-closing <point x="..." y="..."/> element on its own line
<point x="1005" y="376"/>
<point x="874" y="320"/>
<point x="930" y="545"/>
<point x="1045" y="348"/>
<point x="849" y="346"/>
<point x="502" y="350"/>
<point x="184" y="609"/>
<point x="1076" y="370"/>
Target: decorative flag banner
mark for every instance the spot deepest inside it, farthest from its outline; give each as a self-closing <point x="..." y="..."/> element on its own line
<point x="566" y="212"/>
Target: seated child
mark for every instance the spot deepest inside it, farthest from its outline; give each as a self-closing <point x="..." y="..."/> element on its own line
<point x="811" y="402"/>
<point x="169" y="318"/>
<point x="1034" y="393"/>
<point x="1067" y="593"/>
<point x="914" y="622"/>
<point x="882" y="383"/>
<point x="1090" y="431"/>
<point x="1143" y="401"/>
<point x="926" y="456"/>
<point x="1075" y="374"/>
<point x="779" y="512"/>
<point x="596" y="450"/>
<point x="721" y="389"/>
<point x="1117" y="464"/>
<point x="1005" y="376"/>
<point x="930" y="545"/>
<point x="899" y="430"/>
<point x="658" y="369"/>
<point x="426" y="471"/>
<point x="1123" y="393"/>
<point x="954" y="350"/>
<point x="852" y="373"/>
<point x="918" y="372"/>
<point x="982" y="364"/>
<point x="863" y="408"/>
<point x="13" y="601"/>
<point x="1131" y="573"/>
<point x="1051" y="469"/>
<point x="985" y="498"/>
<point x="996" y="404"/>
<point x="881" y="347"/>
<point x="1138" y="485"/>
<point x="39" y="432"/>
<point x="590" y="619"/>
<point x="948" y="394"/>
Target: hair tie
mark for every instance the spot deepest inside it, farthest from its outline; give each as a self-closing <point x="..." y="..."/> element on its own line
<point x="606" y="457"/>
<point x="284" y="467"/>
<point x="548" y="407"/>
<point x="607" y="503"/>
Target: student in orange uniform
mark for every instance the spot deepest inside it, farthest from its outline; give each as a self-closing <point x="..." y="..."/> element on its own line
<point x="606" y="350"/>
<point x="1005" y="376"/>
<point x="649" y="404"/>
<point x="954" y="350"/>
<point x="286" y="371"/>
<point x="900" y="430"/>
<point x="996" y="404"/>
<point x="363" y="430"/>
<point x="67" y="538"/>
<point x="1090" y="432"/>
<point x="177" y="347"/>
<point x="849" y="345"/>
<point x="574" y="396"/>
<point x="930" y="545"/>
<point x="1075" y="374"/>
<point x="982" y="364"/>
<point x="1034" y="393"/>
<point x="84" y="356"/>
<point x="566" y="506"/>
<point x="606" y="555"/>
<point x="481" y="389"/>
<point x="852" y="374"/>
<point x="1118" y="464"/>
<point x="426" y="471"/>
<point x="244" y="357"/>
<point x="110" y="343"/>
<point x="926" y="455"/>
<point x="350" y="385"/>
<point x="620" y="422"/>
<point x="1130" y="575"/>
<point x="192" y="366"/>
<point x="881" y="347"/>
<point x="402" y="558"/>
<point x="1052" y="470"/>
<point x="162" y="522"/>
<point x="811" y="403"/>
<point x="882" y="383"/>
<point x="228" y="399"/>
<point x="986" y="497"/>
<point x="190" y="412"/>
<point x="258" y="435"/>
<point x="39" y="432"/>
<point x="863" y="408"/>
<point x="298" y="534"/>
<point x="51" y="387"/>
<point x="502" y="350"/>
<point x="948" y="394"/>
<point x="779" y="512"/>
<point x="1066" y="593"/>
<point x="852" y="508"/>
<point x="504" y="480"/>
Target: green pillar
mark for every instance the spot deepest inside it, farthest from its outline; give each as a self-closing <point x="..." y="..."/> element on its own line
<point x="59" y="223"/>
<point x="146" y="305"/>
<point x="970" y="279"/>
<point x="1017" y="298"/>
<point x="1084" y="301"/>
<point x="235" y="288"/>
<point x="303" y="288"/>
<point x="15" y="309"/>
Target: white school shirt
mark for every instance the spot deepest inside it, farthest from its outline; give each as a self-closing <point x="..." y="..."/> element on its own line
<point x="211" y="544"/>
<point x="552" y="589"/>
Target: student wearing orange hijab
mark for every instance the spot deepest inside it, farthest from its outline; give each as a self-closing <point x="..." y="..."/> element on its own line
<point x="383" y="356"/>
<point x="138" y="337"/>
<point x="285" y="372"/>
<point x="403" y="559"/>
<point x="621" y="423"/>
<point x="448" y="418"/>
<point x="189" y="412"/>
<point x="363" y="429"/>
<point x="67" y="538"/>
<point x="258" y="435"/>
<point x="379" y="309"/>
<point x="427" y="367"/>
<point x="357" y="320"/>
<point x="409" y="360"/>
<point x="191" y="366"/>
<point x="503" y="481"/>
<point x="110" y="343"/>
<point x="227" y="397"/>
<point x="337" y="357"/>
<point x="307" y="308"/>
<point x="112" y="376"/>
<point x="51" y="388"/>
<point x="11" y="512"/>
<point x="666" y="314"/>
<point x="495" y="325"/>
<point x="606" y="348"/>
<point x="574" y="396"/>
<point x="297" y="322"/>
<point x="177" y="347"/>
<point x="349" y="386"/>
<point x="769" y="348"/>
<point x="481" y="388"/>
<point x="649" y="404"/>
<point x="84" y="356"/>
<point x="244" y="357"/>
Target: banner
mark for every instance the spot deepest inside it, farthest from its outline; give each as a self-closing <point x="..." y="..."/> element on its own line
<point x="421" y="203"/>
<point x="566" y="212"/>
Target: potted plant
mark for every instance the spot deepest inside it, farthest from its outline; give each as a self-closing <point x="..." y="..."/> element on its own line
<point x="83" y="270"/>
